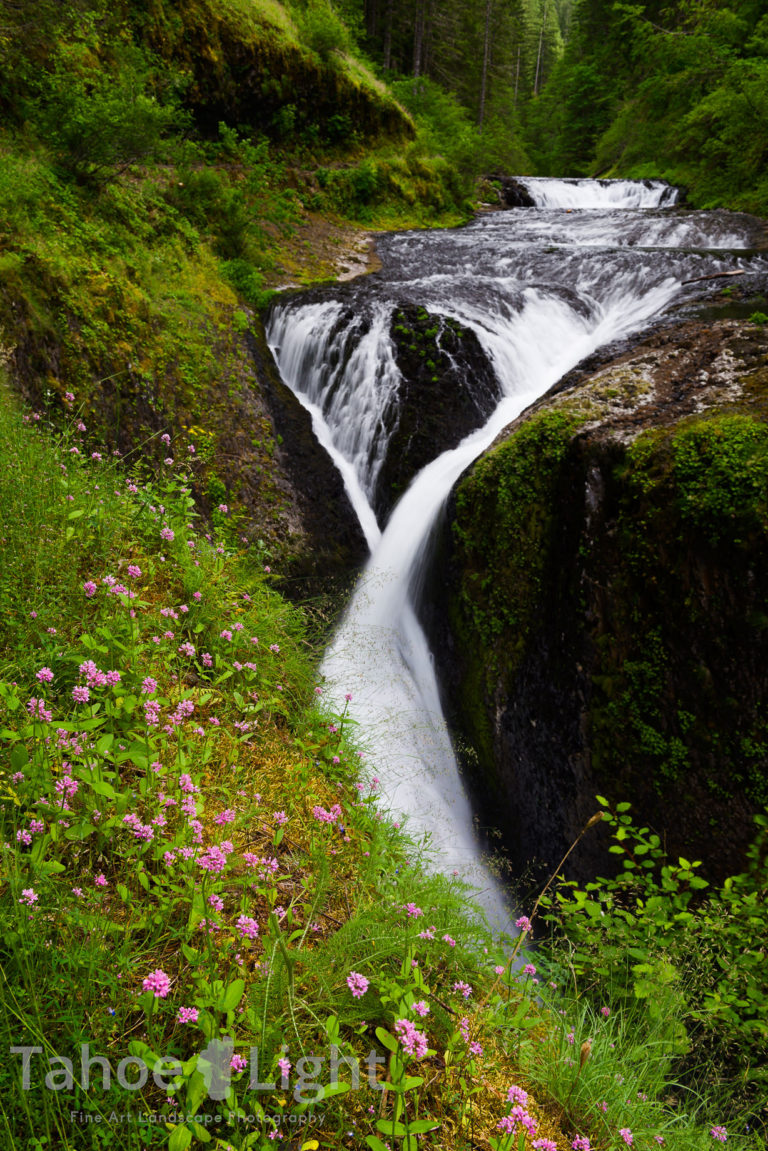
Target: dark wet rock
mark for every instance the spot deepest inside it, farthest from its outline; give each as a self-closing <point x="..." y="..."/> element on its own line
<point x="511" y="192"/>
<point x="448" y="390"/>
<point x="316" y="510"/>
<point x="599" y="604"/>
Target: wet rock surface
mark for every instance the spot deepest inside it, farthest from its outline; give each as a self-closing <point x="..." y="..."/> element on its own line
<point x="448" y="390"/>
<point x="605" y="631"/>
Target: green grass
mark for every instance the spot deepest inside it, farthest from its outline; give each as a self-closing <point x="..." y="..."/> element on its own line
<point x="91" y="903"/>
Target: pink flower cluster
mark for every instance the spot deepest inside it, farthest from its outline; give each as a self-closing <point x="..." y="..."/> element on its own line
<point x="213" y="859"/>
<point x="139" y="829"/>
<point x="357" y="984"/>
<point x="94" y="677"/>
<point x="268" y="866"/>
<point x="247" y="926"/>
<point x="324" y="816"/>
<point x="38" y="710"/>
<point x="518" y="1114"/>
<point x="413" y="1041"/>
<point x="158" y="982"/>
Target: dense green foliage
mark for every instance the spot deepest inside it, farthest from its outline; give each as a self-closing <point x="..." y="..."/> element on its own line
<point x="678" y="91"/>
<point x="690" y="958"/>
<point x="183" y="830"/>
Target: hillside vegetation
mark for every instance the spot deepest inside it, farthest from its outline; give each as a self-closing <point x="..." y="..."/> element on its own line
<point x="162" y="167"/>
<point x="678" y="91"/>
<point x="210" y="924"/>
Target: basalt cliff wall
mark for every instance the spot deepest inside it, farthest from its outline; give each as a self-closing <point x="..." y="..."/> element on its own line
<point x="599" y="603"/>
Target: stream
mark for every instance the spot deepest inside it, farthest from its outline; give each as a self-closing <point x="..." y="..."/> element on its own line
<point x="541" y="288"/>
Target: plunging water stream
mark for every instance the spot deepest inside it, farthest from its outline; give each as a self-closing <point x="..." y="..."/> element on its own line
<point x="541" y="288"/>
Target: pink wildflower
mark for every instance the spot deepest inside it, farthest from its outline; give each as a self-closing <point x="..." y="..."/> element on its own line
<point x="247" y="926"/>
<point x="413" y="1041"/>
<point x="357" y="984"/>
<point x="517" y="1095"/>
<point x="157" y="982"/>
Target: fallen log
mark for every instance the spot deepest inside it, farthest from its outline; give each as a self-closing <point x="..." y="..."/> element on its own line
<point x="714" y="276"/>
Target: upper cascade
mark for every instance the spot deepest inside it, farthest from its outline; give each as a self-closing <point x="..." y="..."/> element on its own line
<point x="548" y="192"/>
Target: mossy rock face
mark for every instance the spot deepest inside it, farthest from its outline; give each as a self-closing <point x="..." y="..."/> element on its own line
<point x="448" y="390"/>
<point x="602" y="604"/>
<point x="247" y="66"/>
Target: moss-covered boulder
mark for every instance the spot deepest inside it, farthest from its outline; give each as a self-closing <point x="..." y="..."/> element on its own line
<point x="602" y="604"/>
<point x="448" y="389"/>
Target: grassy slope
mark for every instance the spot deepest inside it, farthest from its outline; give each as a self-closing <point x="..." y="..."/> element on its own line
<point x="199" y="813"/>
<point x="132" y="276"/>
<point x="130" y="290"/>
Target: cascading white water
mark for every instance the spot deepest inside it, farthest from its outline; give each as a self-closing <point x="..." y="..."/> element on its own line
<point x="541" y="289"/>
<point x="549" y="192"/>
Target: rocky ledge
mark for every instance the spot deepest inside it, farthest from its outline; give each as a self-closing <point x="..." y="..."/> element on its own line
<point x="600" y="603"/>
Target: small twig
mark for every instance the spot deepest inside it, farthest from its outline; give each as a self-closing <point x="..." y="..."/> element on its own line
<point x="596" y="818"/>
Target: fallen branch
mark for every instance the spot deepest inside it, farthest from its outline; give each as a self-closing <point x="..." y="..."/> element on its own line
<point x="714" y="276"/>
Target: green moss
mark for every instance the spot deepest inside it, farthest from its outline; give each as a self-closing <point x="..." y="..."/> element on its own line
<point x="661" y="591"/>
<point x="675" y="691"/>
<point x="503" y="529"/>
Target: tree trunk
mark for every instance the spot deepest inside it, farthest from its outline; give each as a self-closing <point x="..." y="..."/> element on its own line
<point x="388" y="35"/>
<point x="418" y="38"/>
<point x="486" y="62"/>
<point x="517" y="75"/>
<point x="371" y="17"/>
<point x="539" y="53"/>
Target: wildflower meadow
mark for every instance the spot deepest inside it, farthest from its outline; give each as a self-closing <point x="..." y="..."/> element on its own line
<point x="212" y="931"/>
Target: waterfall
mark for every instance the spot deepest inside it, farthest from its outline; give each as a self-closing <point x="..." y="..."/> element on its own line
<point x="548" y="192"/>
<point x="541" y="288"/>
